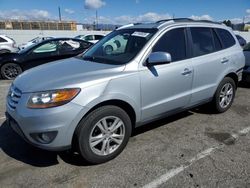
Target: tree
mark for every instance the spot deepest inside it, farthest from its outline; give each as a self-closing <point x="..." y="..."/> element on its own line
<point x="228" y="23"/>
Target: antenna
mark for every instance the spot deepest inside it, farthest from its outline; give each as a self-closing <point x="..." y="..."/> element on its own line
<point x="96" y="15"/>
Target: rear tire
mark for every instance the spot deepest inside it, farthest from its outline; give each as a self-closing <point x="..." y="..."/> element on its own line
<point x="224" y="95"/>
<point x="10" y="71"/>
<point x="103" y="134"/>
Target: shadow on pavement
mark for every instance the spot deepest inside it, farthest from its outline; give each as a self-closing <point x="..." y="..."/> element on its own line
<point x="13" y="145"/>
<point x="161" y="122"/>
<point x="244" y="85"/>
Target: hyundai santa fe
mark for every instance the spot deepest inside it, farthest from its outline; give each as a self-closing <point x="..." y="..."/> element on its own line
<point x="93" y="102"/>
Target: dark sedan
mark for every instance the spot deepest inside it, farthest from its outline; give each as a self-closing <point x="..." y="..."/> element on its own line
<point x="13" y="64"/>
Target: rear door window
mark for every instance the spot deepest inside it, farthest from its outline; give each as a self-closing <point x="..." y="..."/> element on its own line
<point x="174" y="43"/>
<point x="226" y="38"/>
<point x="202" y="41"/>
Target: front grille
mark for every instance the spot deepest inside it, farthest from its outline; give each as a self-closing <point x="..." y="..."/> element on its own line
<point x="13" y="97"/>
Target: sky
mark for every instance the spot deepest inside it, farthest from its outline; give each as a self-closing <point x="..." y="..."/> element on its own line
<point x="125" y="11"/>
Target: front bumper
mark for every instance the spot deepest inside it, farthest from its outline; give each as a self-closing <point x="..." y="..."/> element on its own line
<point x="62" y="119"/>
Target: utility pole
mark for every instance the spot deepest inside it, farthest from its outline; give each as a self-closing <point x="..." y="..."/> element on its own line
<point x="96" y="15"/>
<point x="59" y="12"/>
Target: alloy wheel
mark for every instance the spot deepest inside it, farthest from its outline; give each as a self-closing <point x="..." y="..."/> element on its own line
<point x="226" y="95"/>
<point x="107" y="135"/>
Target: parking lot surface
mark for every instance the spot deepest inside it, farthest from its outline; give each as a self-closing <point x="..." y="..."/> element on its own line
<point x="191" y="149"/>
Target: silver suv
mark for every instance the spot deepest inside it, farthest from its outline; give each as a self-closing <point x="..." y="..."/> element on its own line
<point x="93" y="102"/>
<point x="7" y="45"/>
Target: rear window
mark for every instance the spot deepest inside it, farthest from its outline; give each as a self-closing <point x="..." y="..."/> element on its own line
<point x="2" y="40"/>
<point x="226" y="38"/>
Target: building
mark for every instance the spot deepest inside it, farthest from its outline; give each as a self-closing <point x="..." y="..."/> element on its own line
<point x="37" y="25"/>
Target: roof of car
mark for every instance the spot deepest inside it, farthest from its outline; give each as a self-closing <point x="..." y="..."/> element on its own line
<point x="63" y="38"/>
<point x="162" y="23"/>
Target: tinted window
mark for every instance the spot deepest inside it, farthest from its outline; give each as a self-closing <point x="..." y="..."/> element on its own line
<point x="2" y="40"/>
<point x="174" y="43"/>
<point x="217" y="43"/>
<point x="247" y="47"/>
<point x="226" y="38"/>
<point x="98" y="37"/>
<point x="202" y="41"/>
<point x="89" y="37"/>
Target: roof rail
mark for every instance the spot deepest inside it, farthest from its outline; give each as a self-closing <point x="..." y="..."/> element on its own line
<point x="125" y="26"/>
<point x="187" y="20"/>
<point x="175" y="19"/>
<point x="208" y="21"/>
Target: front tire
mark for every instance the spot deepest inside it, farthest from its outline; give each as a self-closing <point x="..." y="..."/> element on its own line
<point x="103" y="134"/>
<point x="224" y="95"/>
<point x="10" y="71"/>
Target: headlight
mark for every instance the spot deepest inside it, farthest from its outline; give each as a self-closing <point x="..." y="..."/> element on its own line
<point x="53" y="98"/>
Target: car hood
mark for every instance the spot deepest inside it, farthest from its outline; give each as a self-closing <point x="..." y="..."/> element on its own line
<point x="68" y="73"/>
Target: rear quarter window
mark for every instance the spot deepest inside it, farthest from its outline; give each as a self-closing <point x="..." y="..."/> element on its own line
<point x="226" y="38"/>
<point x="3" y="40"/>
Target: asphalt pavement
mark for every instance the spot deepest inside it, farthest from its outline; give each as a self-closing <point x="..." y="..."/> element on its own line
<point x="196" y="148"/>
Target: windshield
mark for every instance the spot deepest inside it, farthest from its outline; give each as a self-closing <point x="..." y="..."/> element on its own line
<point x="24" y="50"/>
<point x="79" y="36"/>
<point x="35" y="39"/>
<point x="120" y="46"/>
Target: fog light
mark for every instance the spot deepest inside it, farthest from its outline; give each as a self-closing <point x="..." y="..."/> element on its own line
<point x="45" y="137"/>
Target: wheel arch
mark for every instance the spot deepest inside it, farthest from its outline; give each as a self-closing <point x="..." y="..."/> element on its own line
<point x="234" y="76"/>
<point x="115" y="102"/>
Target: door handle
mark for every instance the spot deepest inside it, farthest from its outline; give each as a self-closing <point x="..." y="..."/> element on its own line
<point x="186" y="72"/>
<point x="224" y="60"/>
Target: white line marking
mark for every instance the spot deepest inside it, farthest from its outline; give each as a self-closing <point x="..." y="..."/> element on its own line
<point x="175" y="171"/>
<point x="244" y="131"/>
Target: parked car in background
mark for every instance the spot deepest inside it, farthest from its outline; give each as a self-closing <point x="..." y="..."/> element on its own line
<point x="90" y="38"/>
<point x="7" y="45"/>
<point x="246" y="71"/>
<point x="116" y="45"/>
<point x="13" y="64"/>
<point x="33" y="41"/>
<point x="93" y="103"/>
<point x="241" y="40"/>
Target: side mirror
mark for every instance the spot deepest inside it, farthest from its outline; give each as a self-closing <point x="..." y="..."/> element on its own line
<point x="158" y="58"/>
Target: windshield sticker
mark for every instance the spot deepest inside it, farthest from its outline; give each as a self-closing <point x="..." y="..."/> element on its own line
<point x="140" y="34"/>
